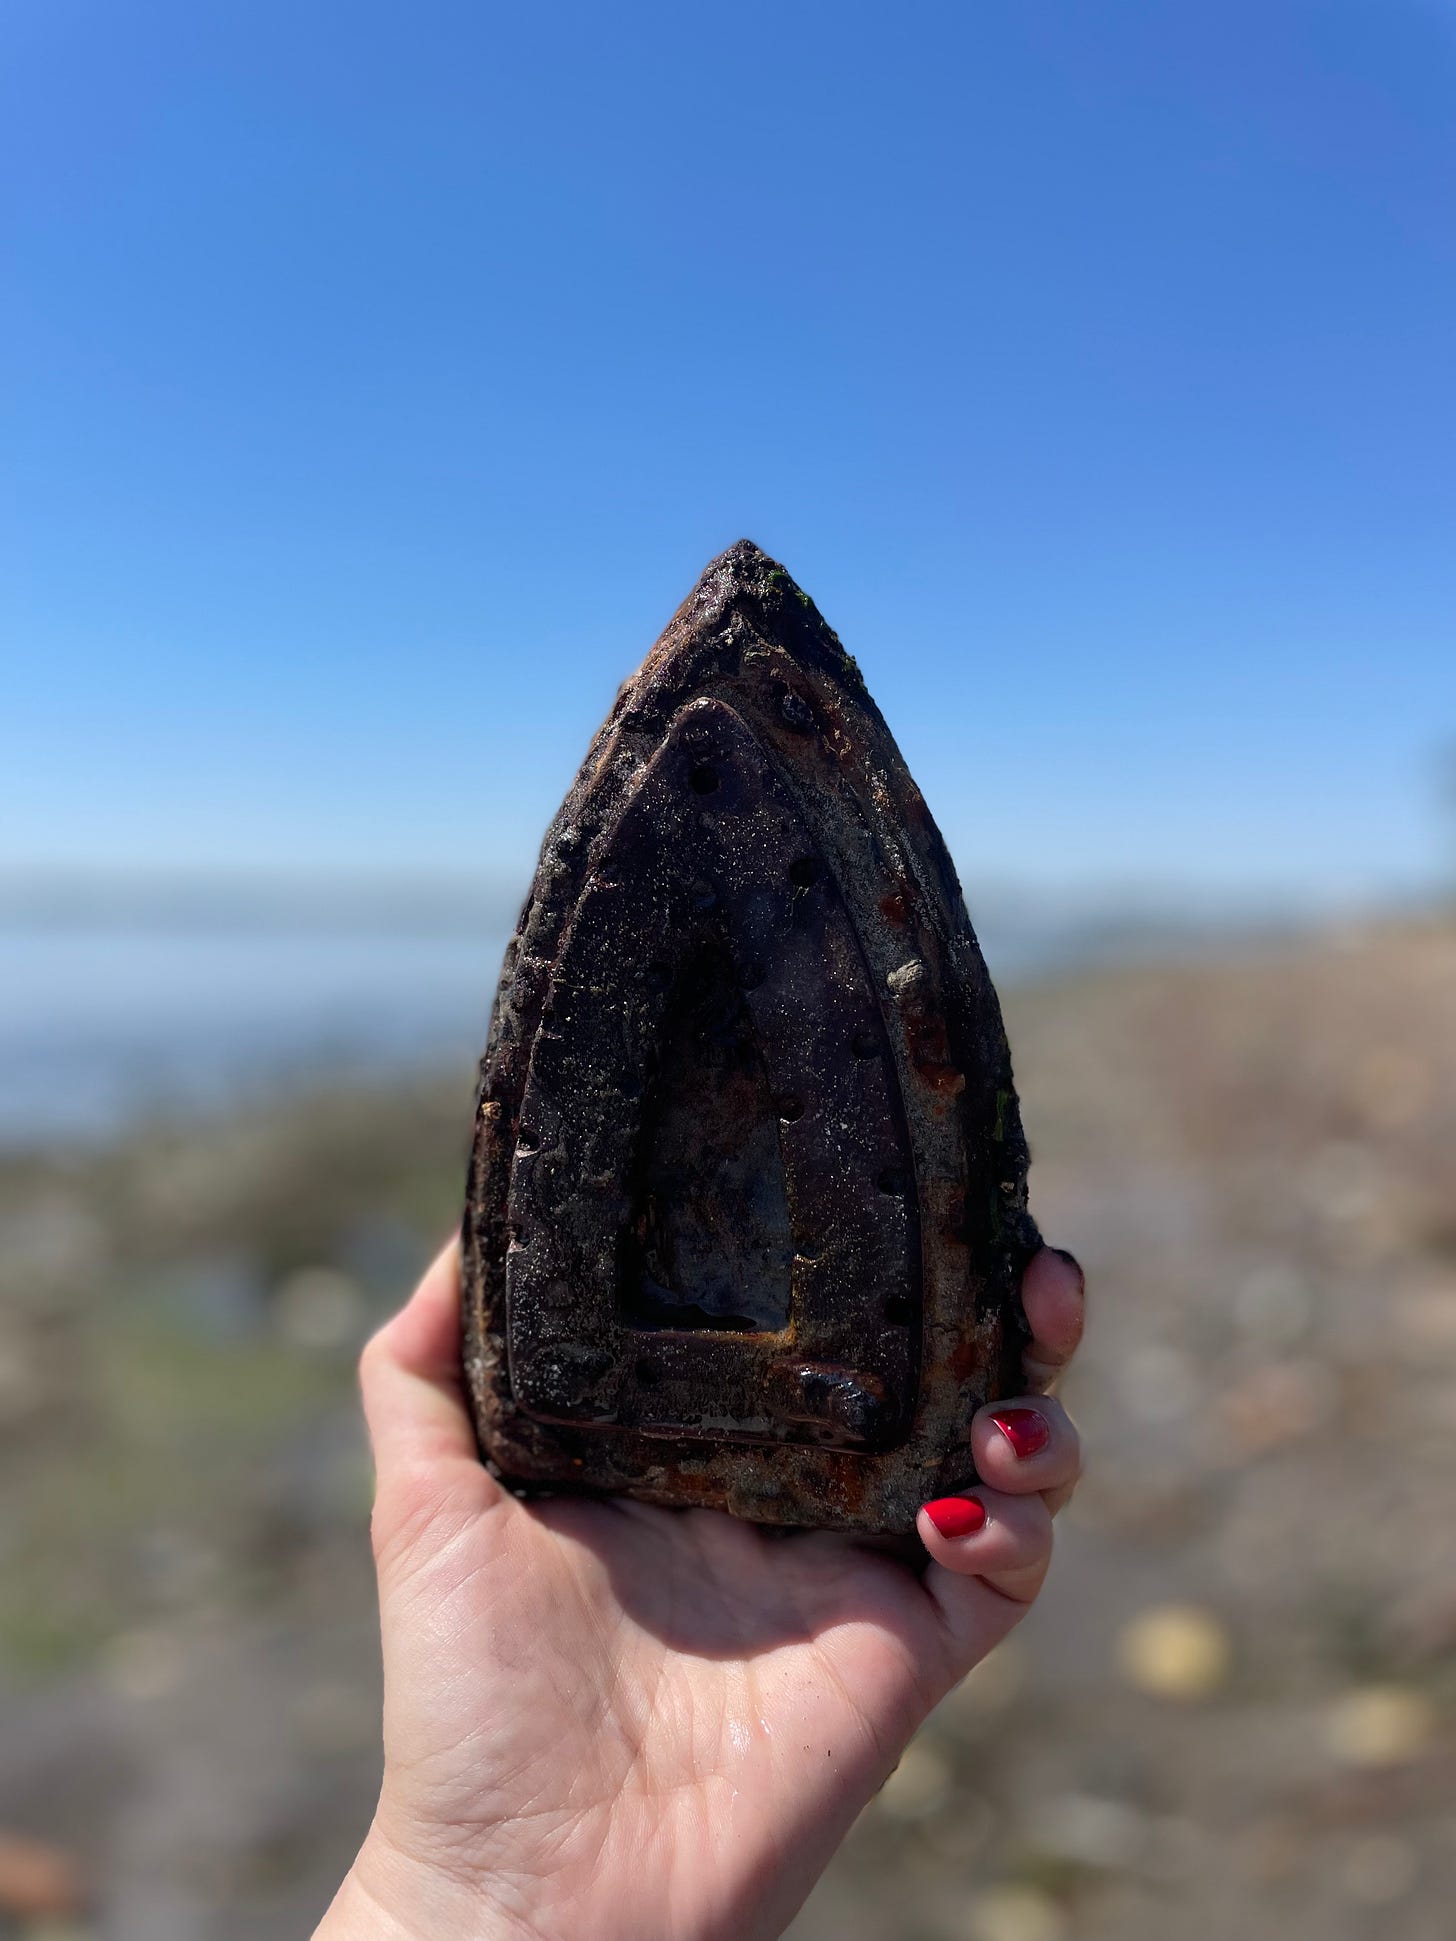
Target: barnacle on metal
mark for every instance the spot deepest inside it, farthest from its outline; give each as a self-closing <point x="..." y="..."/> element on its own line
<point x="747" y="1201"/>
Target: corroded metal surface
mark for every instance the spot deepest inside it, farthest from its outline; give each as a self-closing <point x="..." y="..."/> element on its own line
<point x="747" y="1204"/>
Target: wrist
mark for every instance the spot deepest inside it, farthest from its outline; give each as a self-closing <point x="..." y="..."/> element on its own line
<point x="389" y="1895"/>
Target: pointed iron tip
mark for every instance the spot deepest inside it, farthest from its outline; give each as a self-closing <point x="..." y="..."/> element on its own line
<point x="744" y="568"/>
<point x="744" y="562"/>
<point x="743" y="574"/>
<point x="740" y="571"/>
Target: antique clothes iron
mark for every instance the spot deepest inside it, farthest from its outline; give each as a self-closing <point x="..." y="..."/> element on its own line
<point x="747" y="1200"/>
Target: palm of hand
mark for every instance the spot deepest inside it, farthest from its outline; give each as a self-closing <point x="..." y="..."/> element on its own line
<point x="675" y="1698"/>
<point x="604" y="1718"/>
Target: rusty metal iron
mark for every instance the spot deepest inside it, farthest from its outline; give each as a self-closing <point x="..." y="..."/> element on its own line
<point x="747" y="1201"/>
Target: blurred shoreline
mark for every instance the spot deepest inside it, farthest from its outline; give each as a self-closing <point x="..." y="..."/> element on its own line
<point x="129" y="999"/>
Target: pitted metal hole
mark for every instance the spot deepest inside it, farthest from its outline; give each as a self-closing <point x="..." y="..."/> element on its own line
<point x="796" y="712"/>
<point x="805" y="871"/>
<point x="703" y="780"/>
<point x="893" y="1182"/>
<point x="790" y="1107"/>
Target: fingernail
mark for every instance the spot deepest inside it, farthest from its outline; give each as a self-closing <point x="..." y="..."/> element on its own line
<point x="956" y="1516"/>
<point x="1027" y="1430"/>
<point x="1073" y="1262"/>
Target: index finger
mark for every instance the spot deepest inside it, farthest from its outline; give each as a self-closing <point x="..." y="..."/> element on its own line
<point x="1053" y="1295"/>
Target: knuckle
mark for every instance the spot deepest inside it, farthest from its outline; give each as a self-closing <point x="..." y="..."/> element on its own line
<point x="1031" y="1521"/>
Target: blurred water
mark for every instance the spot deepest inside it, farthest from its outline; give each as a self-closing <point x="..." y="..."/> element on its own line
<point x="102" y="1023"/>
<point x="102" y="1026"/>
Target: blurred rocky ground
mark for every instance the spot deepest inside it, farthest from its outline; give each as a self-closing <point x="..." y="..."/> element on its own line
<point x="1234" y="1710"/>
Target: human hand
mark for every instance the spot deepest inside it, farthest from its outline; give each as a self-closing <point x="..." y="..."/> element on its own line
<point x="605" y="1721"/>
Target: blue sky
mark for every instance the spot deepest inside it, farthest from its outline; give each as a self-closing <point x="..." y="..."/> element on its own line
<point x="378" y="378"/>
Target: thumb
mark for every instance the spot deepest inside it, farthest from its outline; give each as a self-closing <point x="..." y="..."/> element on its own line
<point x="429" y="1478"/>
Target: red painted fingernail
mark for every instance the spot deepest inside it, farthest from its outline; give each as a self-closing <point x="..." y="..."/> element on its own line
<point x="956" y="1516"/>
<point x="1027" y="1430"/>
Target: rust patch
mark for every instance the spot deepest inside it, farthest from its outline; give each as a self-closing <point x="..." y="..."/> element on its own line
<point x="962" y="1361"/>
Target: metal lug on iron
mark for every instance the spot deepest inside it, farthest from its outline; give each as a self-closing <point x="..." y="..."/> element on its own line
<point x="747" y="1202"/>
